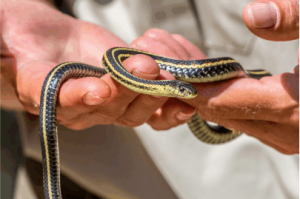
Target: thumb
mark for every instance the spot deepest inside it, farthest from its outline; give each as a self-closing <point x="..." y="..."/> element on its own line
<point x="274" y="20"/>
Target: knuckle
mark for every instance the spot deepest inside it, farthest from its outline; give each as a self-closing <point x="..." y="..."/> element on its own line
<point x="142" y="42"/>
<point x="215" y="106"/>
<point x="128" y="122"/>
<point x="172" y="122"/>
<point x="154" y="127"/>
<point x="30" y="102"/>
<point x="158" y="124"/>
<point x="178" y="37"/>
<point x="76" y="127"/>
<point x="158" y="127"/>
<point x="201" y="103"/>
<point x="32" y="106"/>
<point x="154" y="101"/>
<point x="100" y="119"/>
<point x="73" y="125"/>
<point x="110" y="113"/>
<point x="209" y="117"/>
<point x="286" y="112"/>
<point x="155" y="32"/>
<point x="78" y="124"/>
<point x="295" y="117"/>
<point x="204" y="112"/>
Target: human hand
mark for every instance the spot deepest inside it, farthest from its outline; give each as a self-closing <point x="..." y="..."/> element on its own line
<point x="33" y="44"/>
<point x="267" y="109"/>
<point x="274" y="20"/>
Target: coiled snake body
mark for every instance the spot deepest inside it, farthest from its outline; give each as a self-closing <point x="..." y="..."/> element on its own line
<point x="198" y="71"/>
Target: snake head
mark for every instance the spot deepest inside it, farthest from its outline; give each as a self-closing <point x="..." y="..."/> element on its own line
<point x="182" y="89"/>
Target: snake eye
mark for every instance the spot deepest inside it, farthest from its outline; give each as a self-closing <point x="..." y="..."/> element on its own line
<point x="181" y="89"/>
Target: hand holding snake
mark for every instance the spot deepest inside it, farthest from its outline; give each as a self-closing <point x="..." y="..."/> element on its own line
<point x="278" y="129"/>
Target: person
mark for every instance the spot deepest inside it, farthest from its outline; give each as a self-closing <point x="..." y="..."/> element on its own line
<point x="116" y="163"/>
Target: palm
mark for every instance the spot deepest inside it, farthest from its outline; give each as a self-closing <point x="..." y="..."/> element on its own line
<point x="36" y="43"/>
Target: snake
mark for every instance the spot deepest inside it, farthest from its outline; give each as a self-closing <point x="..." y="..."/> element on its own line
<point x="185" y="72"/>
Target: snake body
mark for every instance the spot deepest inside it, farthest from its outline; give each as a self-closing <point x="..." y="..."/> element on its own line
<point x="208" y="70"/>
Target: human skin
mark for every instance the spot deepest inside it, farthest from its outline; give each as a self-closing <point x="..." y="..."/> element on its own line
<point x="31" y="45"/>
<point x="267" y="109"/>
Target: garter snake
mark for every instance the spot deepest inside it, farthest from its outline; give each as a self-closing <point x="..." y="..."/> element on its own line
<point x="198" y="71"/>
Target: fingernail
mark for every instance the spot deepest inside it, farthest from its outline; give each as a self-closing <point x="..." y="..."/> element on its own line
<point x="184" y="116"/>
<point x="263" y="15"/>
<point x="92" y="100"/>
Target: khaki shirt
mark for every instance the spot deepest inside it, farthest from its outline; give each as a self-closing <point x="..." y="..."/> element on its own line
<point x="142" y="163"/>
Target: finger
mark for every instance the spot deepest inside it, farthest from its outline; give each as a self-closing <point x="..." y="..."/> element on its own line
<point x="116" y="101"/>
<point x="166" y="38"/>
<point x="141" y="109"/>
<point x="30" y="78"/>
<point x="151" y="45"/>
<point x="194" y="51"/>
<point x="75" y="97"/>
<point x="139" y="65"/>
<point x="90" y="93"/>
<point x="282" y="137"/>
<point x="274" y="20"/>
<point x="270" y="98"/>
<point x="171" y="114"/>
<point x="115" y="110"/>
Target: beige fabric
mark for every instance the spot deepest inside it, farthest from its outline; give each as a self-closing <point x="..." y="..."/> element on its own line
<point x="23" y="189"/>
<point x="106" y="160"/>
<point x="129" y="19"/>
<point x="112" y="161"/>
